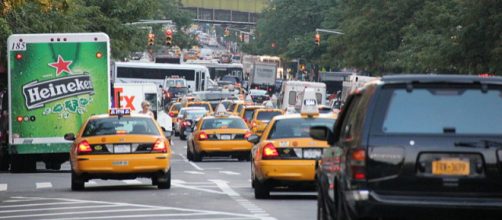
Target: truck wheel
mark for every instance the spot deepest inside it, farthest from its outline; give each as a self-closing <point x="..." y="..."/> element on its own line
<point x="77" y="183"/>
<point x="4" y="160"/>
<point x="164" y="180"/>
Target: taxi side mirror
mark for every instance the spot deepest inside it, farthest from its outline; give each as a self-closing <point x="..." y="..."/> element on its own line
<point x="167" y="133"/>
<point x="320" y="133"/>
<point x="253" y="139"/>
<point x="69" y="137"/>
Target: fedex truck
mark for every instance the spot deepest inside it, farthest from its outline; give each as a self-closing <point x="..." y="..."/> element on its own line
<point x="55" y="82"/>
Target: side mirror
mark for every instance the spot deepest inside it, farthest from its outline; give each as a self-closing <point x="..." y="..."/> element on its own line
<point x="69" y="137"/>
<point x="320" y="133"/>
<point x="253" y="139"/>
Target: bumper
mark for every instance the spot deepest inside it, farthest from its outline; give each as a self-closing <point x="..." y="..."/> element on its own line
<point x="286" y="170"/>
<point x="121" y="163"/>
<point x="224" y="146"/>
<point x="368" y="203"/>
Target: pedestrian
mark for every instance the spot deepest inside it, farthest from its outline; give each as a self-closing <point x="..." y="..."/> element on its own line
<point x="146" y="108"/>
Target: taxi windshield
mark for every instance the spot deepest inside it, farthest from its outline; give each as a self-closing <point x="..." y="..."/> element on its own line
<point x="267" y="115"/>
<point x="248" y="114"/>
<point x="218" y="123"/>
<point x="297" y="127"/>
<point x="124" y="125"/>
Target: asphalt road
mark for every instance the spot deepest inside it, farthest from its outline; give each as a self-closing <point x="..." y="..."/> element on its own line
<point x="217" y="188"/>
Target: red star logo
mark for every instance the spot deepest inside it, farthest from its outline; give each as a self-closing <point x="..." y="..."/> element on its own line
<point x="61" y="66"/>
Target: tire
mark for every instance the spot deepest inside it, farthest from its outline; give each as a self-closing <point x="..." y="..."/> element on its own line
<point x="321" y="207"/>
<point x="183" y="137"/>
<point x="22" y="164"/>
<point x="154" y="181"/>
<point x="189" y="154"/>
<point x="164" y="180"/>
<point x="77" y="183"/>
<point x="197" y="157"/>
<point x="261" y="190"/>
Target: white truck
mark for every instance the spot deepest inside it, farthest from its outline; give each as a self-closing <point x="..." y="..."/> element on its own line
<point x="292" y="92"/>
<point x="353" y="82"/>
<point x="263" y="76"/>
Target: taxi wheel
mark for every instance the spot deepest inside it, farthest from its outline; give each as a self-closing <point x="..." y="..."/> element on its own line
<point x="197" y="157"/>
<point x="189" y="154"/>
<point x="261" y="191"/>
<point x="164" y="180"/>
<point x="183" y="137"/>
<point x="77" y="183"/>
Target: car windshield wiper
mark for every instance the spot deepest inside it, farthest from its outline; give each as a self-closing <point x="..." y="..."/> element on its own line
<point x="481" y="143"/>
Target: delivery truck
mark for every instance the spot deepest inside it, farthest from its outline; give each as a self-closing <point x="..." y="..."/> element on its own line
<point x="55" y="82"/>
<point x="263" y="76"/>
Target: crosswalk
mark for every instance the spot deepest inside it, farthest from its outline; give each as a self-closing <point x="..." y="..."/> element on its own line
<point x="92" y="183"/>
<point x="18" y="207"/>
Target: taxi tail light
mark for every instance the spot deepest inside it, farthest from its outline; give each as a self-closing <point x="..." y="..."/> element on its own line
<point x="358" y="164"/>
<point x="253" y="124"/>
<point x="159" y="146"/>
<point x="247" y="134"/>
<point x="84" y="147"/>
<point x="171" y="114"/>
<point x="269" y="151"/>
<point x="203" y="136"/>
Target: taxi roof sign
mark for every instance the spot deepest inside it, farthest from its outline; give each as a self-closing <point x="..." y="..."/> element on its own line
<point x="309" y="103"/>
<point x="119" y="111"/>
<point x="248" y="98"/>
<point x="220" y="110"/>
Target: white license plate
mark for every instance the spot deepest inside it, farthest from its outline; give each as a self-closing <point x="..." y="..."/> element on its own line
<point x="225" y="137"/>
<point x="123" y="148"/>
<point x="120" y="163"/>
<point x="312" y="153"/>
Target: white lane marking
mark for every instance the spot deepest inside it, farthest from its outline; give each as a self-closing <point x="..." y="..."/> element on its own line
<point x="183" y="185"/>
<point x="92" y="182"/>
<point x="229" y="173"/>
<point x="3" y="187"/>
<point x="130" y="182"/>
<point x="194" y="172"/>
<point x="196" y="211"/>
<point x="58" y="208"/>
<point x="248" y="205"/>
<point x="86" y="212"/>
<point x="44" y="185"/>
<point x="156" y="215"/>
<point x="191" y="163"/>
<point x="184" y="158"/>
<point x="184" y="147"/>
<point x="40" y="204"/>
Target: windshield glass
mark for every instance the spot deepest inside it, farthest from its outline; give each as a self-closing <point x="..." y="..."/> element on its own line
<point x="248" y="114"/>
<point x="124" y="125"/>
<point x="175" y="82"/>
<point x="231" y="79"/>
<point x="193" y="115"/>
<point x="297" y="127"/>
<point x="178" y="90"/>
<point x="267" y="116"/>
<point x="217" y="123"/>
<point x="257" y="92"/>
<point x="206" y="106"/>
<point x="214" y="96"/>
<point x="443" y="110"/>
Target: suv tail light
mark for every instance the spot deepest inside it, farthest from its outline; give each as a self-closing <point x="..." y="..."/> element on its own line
<point x="159" y="146"/>
<point x="269" y="151"/>
<point x="247" y="134"/>
<point x="84" y="147"/>
<point x="358" y="164"/>
<point x="202" y="136"/>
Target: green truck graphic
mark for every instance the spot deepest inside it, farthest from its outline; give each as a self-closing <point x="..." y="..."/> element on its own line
<point x="56" y="81"/>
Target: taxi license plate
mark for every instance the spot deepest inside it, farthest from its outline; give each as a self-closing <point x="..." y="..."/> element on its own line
<point x="225" y="137"/>
<point x="452" y="167"/>
<point x="312" y="153"/>
<point x="120" y="163"/>
<point x="122" y="148"/>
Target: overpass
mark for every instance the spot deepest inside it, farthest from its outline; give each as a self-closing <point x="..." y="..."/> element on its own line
<point x="240" y="12"/>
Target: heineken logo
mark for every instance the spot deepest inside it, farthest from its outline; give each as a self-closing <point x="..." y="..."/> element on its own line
<point x="37" y="93"/>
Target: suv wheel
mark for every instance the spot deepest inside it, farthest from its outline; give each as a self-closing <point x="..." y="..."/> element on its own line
<point x="164" y="180"/>
<point x="77" y="183"/>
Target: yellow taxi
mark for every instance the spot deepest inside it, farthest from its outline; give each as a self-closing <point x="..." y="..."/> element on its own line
<point x="261" y="117"/>
<point x="174" y="109"/>
<point x="120" y="145"/>
<point x="206" y="105"/>
<point x="221" y="134"/>
<point x="247" y="112"/>
<point x="236" y="107"/>
<point x="285" y="155"/>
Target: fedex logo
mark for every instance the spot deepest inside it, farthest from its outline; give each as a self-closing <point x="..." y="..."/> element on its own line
<point x="128" y="99"/>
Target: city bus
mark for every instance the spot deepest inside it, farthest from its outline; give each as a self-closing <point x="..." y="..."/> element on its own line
<point x="219" y="70"/>
<point x="197" y="76"/>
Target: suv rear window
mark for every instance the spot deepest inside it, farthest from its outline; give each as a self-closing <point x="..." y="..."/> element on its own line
<point x="267" y="116"/>
<point x="443" y="110"/>
<point x="124" y="125"/>
<point x="297" y="127"/>
<point x="206" y="106"/>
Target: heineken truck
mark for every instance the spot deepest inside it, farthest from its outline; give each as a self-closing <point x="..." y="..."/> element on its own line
<point x="56" y="81"/>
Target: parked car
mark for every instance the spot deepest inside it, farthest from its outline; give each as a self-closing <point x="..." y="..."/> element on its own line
<point x="413" y="145"/>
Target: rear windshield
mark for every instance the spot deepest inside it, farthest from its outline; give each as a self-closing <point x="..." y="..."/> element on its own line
<point x="248" y="114"/>
<point x="176" y="107"/>
<point x="206" y="106"/>
<point x="217" y="123"/>
<point x="443" y="110"/>
<point x="267" y="116"/>
<point x="193" y="115"/>
<point x="178" y="90"/>
<point x="297" y="127"/>
<point x="124" y="125"/>
<point x="325" y="110"/>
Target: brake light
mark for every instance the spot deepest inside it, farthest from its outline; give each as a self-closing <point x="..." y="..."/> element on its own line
<point x="186" y="123"/>
<point x="358" y="162"/>
<point x="247" y="134"/>
<point x="253" y="124"/>
<point x="171" y="114"/>
<point x="159" y="146"/>
<point x="269" y="151"/>
<point x="168" y="95"/>
<point x="202" y="136"/>
<point x="84" y="147"/>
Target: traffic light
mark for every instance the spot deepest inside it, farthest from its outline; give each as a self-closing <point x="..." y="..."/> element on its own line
<point x="317" y="39"/>
<point x="151" y="39"/>
<point x="169" y="37"/>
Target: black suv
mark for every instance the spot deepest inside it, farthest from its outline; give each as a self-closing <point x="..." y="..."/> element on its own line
<point x="414" y="144"/>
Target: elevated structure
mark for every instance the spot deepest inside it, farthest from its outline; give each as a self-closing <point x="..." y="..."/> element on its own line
<point x="241" y="12"/>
